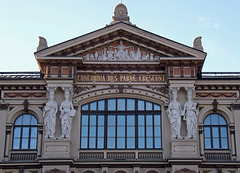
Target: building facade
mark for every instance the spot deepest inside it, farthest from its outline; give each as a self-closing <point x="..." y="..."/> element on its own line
<point x="120" y="100"/>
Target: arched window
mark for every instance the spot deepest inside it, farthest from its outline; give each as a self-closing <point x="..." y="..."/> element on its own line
<point x="215" y="132"/>
<point x="25" y="133"/>
<point x="121" y="123"/>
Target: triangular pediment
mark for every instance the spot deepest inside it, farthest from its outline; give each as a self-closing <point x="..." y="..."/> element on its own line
<point x="120" y="41"/>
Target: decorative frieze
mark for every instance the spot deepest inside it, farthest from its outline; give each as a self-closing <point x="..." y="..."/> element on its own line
<point x="24" y="94"/>
<point x="216" y="94"/>
<point x="121" y="52"/>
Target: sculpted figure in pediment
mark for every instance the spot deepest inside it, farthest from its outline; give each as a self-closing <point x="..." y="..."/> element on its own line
<point x="121" y="52"/>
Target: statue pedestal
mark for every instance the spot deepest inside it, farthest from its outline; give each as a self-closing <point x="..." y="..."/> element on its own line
<point x="184" y="148"/>
<point x="56" y="147"/>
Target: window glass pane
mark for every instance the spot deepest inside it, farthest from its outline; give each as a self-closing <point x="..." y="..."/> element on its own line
<point x="85" y="107"/>
<point x="100" y="131"/>
<point x="111" y="120"/>
<point x="156" y="107"/>
<point x="130" y="142"/>
<point x="222" y="120"/>
<point x="18" y="120"/>
<point x="223" y="131"/>
<point x="131" y="120"/>
<point x="25" y="132"/>
<point x="16" y="143"/>
<point x="141" y="131"/>
<point x="93" y="120"/>
<point x="100" y="142"/>
<point x="92" y="142"/>
<point x="149" y="131"/>
<point x="141" y="142"/>
<point x="121" y="120"/>
<point x="84" y="142"/>
<point x="100" y="120"/>
<point x="149" y="142"/>
<point x="33" y="144"/>
<point x="17" y="132"/>
<point x="121" y="131"/>
<point x="111" y="104"/>
<point x="93" y="106"/>
<point x="215" y="132"/>
<point x="157" y="131"/>
<point x="84" y="119"/>
<point x="101" y="105"/>
<point x="207" y="120"/>
<point x="141" y="120"/>
<point x="111" y="143"/>
<point x="207" y="132"/>
<point x="111" y="131"/>
<point x="149" y="120"/>
<point x="149" y="106"/>
<point x="130" y="131"/>
<point x="214" y="119"/>
<point x="224" y="143"/>
<point x="25" y="143"/>
<point x="26" y="119"/>
<point x="130" y="104"/>
<point x="120" y="142"/>
<point x="92" y="131"/>
<point x="216" y="143"/>
<point x="121" y="104"/>
<point x="84" y="131"/>
<point x="33" y="120"/>
<point x="157" y="142"/>
<point x="33" y="131"/>
<point x="157" y="120"/>
<point x="140" y="105"/>
<point x="207" y="143"/>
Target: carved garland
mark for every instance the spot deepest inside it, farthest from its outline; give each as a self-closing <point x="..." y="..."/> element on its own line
<point x="216" y="95"/>
<point x="78" y="89"/>
<point x="25" y="95"/>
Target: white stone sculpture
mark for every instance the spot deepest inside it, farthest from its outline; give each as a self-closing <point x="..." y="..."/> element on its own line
<point x="42" y="44"/>
<point x="197" y="43"/>
<point x="121" y="52"/>
<point x="67" y="113"/>
<point x="190" y="113"/>
<point x="174" y="114"/>
<point x="49" y="114"/>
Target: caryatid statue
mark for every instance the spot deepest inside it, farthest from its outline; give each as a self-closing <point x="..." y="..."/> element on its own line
<point x="49" y="113"/>
<point x="190" y="113"/>
<point x="67" y="113"/>
<point x="174" y="114"/>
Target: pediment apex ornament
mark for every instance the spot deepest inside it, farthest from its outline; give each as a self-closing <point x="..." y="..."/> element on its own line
<point x="120" y="14"/>
<point x="121" y="52"/>
<point x="42" y="43"/>
<point x="197" y="43"/>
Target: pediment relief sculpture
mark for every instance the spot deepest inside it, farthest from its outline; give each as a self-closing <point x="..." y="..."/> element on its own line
<point x="121" y="52"/>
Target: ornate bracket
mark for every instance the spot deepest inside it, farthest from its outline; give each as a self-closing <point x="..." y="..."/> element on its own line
<point x="215" y="104"/>
<point x="26" y="104"/>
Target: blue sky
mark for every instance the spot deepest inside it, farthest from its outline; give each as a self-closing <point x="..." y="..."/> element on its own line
<point x="218" y="22"/>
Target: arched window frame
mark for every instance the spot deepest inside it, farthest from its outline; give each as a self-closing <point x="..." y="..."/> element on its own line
<point x="215" y="132"/>
<point x="121" y="107"/>
<point x="25" y="132"/>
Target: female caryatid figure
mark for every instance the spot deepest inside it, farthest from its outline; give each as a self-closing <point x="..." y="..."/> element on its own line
<point x="174" y="114"/>
<point x="49" y="115"/>
<point x="190" y="112"/>
<point x="67" y="112"/>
